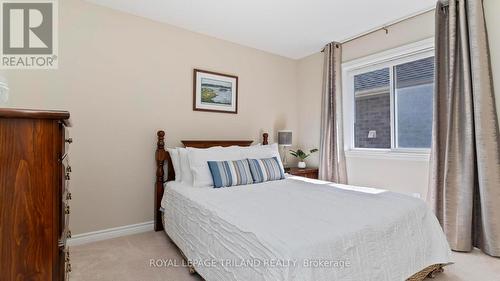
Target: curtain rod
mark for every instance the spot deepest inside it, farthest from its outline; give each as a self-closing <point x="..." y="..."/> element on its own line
<point x="386" y="26"/>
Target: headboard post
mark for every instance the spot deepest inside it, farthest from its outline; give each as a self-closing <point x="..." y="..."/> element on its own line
<point x="160" y="160"/>
<point x="265" y="137"/>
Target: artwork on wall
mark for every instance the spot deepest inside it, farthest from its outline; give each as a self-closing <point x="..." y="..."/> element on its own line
<point x="215" y="92"/>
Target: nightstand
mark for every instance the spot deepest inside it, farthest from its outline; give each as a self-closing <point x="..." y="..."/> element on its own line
<point x="311" y="173"/>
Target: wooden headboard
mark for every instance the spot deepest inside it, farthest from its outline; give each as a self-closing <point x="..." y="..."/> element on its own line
<point x="163" y="156"/>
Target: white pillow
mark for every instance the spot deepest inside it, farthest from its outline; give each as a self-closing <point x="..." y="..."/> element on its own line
<point x="174" y="155"/>
<point x="198" y="161"/>
<point x="262" y="151"/>
<point x="186" y="175"/>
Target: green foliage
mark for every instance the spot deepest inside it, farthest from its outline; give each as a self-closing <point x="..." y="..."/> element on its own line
<point x="301" y="154"/>
<point x="207" y="95"/>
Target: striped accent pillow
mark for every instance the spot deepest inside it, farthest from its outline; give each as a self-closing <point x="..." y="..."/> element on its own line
<point x="267" y="169"/>
<point x="229" y="173"/>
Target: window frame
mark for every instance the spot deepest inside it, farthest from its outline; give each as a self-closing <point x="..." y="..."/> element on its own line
<point x="386" y="59"/>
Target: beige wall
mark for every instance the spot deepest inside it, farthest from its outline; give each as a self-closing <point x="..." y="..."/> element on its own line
<point x="122" y="78"/>
<point x="399" y="175"/>
<point x="403" y="33"/>
<point x="309" y="84"/>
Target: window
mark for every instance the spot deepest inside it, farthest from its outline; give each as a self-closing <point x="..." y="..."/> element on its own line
<point x="372" y="124"/>
<point x="388" y="100"/>
<point x="414" y="90"/>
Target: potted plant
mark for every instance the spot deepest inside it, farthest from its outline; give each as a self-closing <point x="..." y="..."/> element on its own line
<point x="302" y="156"/>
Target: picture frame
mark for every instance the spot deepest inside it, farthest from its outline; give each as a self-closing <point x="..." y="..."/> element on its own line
<point x="215" y="92"/>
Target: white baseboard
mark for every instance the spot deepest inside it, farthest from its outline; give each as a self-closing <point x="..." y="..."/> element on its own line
<point x="109" y="233"/>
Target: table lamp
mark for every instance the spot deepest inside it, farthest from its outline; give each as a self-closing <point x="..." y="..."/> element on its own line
<point x="284" y="140"/>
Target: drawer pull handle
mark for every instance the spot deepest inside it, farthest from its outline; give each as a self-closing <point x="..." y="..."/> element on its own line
<point x="68" y="235"/>
<point x="69" y="140"/>
<point x="68" y="196"/>
<point x="67" y="177"/>
<point x="66" y="210"/>
<point x="68" y="169"/>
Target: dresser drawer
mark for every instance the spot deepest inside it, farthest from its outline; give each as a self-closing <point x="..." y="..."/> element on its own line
<point x="65" y="200"/>
<point x="66" y="141"/>
<point x="66" y="164"/>
<point x="63" y="240"/>
<point x="66" y="179"/>
<point x="66" y="232"/>
<point x="66" y="173"/>
<point x="311" y="175"/>
<point x="65" y="262"/>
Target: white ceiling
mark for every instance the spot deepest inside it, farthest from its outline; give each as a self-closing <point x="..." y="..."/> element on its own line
<point x="291" y="28"/>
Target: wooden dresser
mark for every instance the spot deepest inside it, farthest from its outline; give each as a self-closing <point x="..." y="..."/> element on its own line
<point x="34" y="210"/>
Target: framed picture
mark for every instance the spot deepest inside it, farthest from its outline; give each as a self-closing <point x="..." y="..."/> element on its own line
<point x="215" y="92"/>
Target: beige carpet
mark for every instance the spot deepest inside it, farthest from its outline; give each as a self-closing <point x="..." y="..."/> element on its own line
<point x="128" y="258"/>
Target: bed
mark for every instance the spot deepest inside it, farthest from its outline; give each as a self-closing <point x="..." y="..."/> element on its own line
<point x="297" y="229"/>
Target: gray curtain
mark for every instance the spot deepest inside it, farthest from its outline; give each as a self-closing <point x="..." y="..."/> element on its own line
<point x="332" y="165"/>
<point x="465" y="164"/>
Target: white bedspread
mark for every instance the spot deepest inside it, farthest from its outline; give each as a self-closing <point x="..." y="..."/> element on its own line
<point x="298" y="229"/>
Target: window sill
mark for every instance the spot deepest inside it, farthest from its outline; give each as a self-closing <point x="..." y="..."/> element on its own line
<point x="389" y="154"/>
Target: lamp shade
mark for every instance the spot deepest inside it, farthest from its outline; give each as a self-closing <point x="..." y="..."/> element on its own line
<point x="285" y="137"/>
